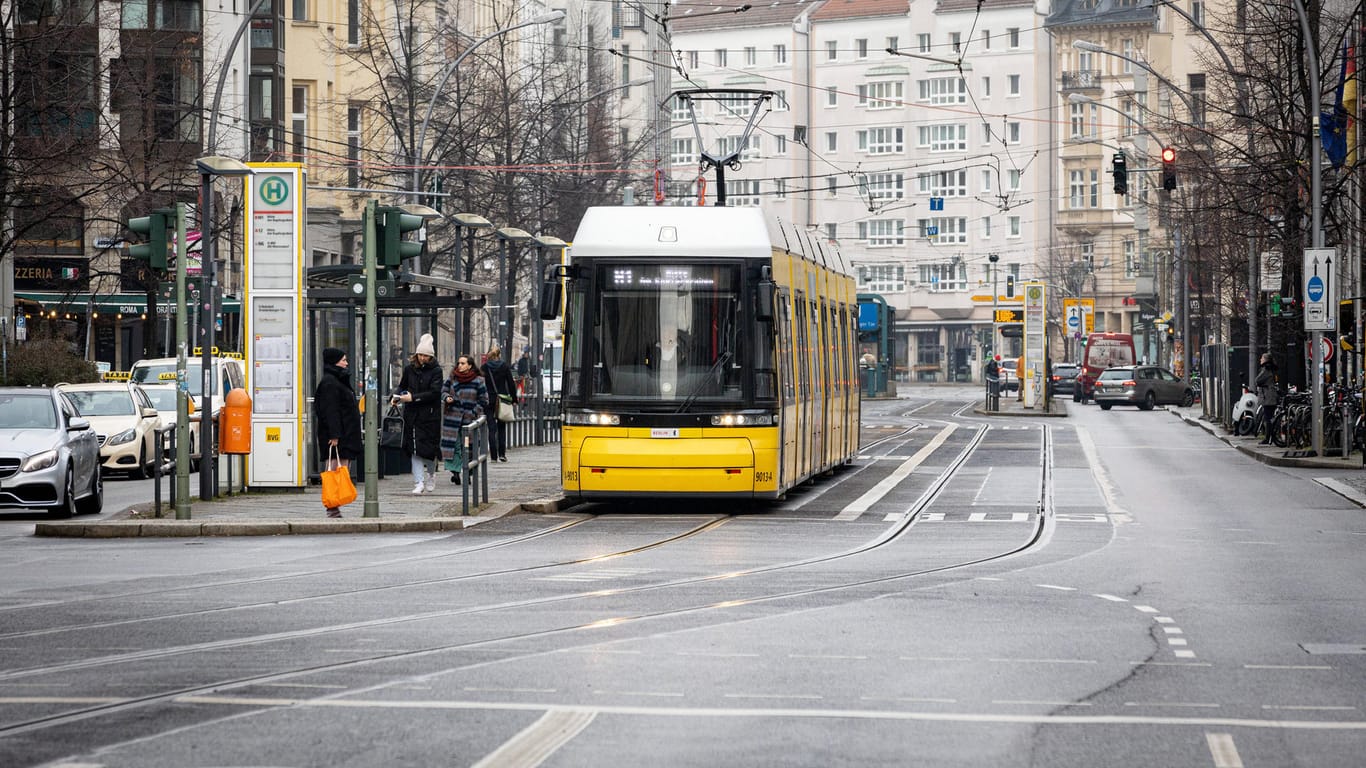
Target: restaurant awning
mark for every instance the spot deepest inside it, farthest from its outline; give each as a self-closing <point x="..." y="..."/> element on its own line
<point x="111" y="303"/>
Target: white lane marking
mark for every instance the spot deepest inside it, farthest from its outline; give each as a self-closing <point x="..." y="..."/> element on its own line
<point x="475" y="689"/>
<point x="1111" y="598"/>
<point x="61" y="699"/>
<point x="1223" y="751"/>
<point x="1028" y="702"/>
<point x="912" y="699"/>
<point x="303" y="685"/>
<point x="1308" y="707"/>
<point x="1183" y="654"/>
<point x="1146" y="609"/>
<point x="538" y="741"/>
<point x="1287" y="666"/>
<point x="1163" y="619"/>
<point x="717" y="654"/>
<point x="867" y="500"/>
<point x="1054" y="586"/>
<point x="1107" y="486"/>
<point x="803" y="714"/>
<point x="983" y="487"/>
<point x="931" y="658"/>
<point x="1172" y="663"/>
<point x="982" y="517"/>
<point x="1176" y="641"/>
<point x="1042" y="661"/>
<point x="658" y="694"/>
<point x="1195" y="704"/>
<point x="1173" y="630"/>
<point x="802" y="696"/>
<point x="896" y="517"/>
<point x="826" y="656"/>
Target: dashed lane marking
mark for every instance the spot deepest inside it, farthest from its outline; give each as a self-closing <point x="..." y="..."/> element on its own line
<point x="534" y="744"/>
<point x="873" y="495"/>
<point x="1222" y="749"/>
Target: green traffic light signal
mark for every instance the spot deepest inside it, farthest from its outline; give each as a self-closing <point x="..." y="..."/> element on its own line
<point x="154" y="227"/>
<point x="390" y="224"/>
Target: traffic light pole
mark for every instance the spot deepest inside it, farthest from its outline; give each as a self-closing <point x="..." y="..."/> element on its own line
<point x="206" y="338"/>
<point x="372" y="363"/>
<point x="182" y="400"/>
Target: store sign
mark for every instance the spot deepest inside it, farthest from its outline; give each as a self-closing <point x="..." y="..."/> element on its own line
<point x="51" y="274"/>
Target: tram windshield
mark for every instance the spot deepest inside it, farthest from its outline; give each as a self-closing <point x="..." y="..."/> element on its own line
<point x="666" y="333"/>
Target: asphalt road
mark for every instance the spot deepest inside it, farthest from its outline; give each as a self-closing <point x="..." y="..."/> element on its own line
<point x="1115" y="588"/>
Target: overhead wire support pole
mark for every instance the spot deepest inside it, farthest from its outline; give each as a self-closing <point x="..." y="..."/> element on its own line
<point x="1316" y="219"/>
<point x="371" y="372"/>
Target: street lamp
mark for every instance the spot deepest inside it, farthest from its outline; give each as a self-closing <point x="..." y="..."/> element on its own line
<point x="417" y="150"/>
<point x="470" y="222"/>
<point x="543" y="243"/>
<point x="209" y="167"/>
<point x="506" y="290"/>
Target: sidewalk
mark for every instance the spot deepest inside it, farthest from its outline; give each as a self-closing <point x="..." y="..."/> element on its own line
<point x="1057" y="407"/>
<point x="528" y="482"/>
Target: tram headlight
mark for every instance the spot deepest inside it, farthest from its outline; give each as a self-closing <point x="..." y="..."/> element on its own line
<point x="590" y="418"/>
<point x="744" y="419"/>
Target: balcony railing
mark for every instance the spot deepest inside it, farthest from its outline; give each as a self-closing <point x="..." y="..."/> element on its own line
<point x="1081" y="80"/>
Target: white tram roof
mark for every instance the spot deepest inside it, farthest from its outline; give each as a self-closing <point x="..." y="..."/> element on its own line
<point x="691" y="232"/>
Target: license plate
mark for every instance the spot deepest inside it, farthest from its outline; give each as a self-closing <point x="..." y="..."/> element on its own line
<point x="660" y="432"/>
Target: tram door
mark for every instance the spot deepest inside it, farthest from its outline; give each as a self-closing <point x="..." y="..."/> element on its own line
<point x="803" y="385"/>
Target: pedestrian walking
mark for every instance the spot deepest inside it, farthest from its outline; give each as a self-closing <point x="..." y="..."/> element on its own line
<point x="498" y="379"/>
<point x="419" y="390"/>
<point x="465" y="399"/>
<point x="336" y="416"/>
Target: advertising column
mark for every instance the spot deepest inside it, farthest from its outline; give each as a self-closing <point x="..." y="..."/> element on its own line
<point x="274" y="324"/>
<point x="1035" y="344"/>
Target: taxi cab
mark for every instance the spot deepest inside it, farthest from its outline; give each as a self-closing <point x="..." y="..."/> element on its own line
<point x="125" y="421"/>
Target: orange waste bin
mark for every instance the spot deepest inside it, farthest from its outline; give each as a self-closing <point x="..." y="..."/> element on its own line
<point x="234" y="423"/>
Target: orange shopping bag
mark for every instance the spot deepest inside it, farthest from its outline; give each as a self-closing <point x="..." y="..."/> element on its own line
<point x="338" y="490"/>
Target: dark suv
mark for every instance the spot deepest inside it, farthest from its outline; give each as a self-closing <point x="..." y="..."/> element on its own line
<point x="1064" y="378"/>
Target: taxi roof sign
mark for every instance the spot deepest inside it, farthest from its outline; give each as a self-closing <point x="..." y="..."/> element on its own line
<point x="117" y="376"/>
<point x="168" y="376"/>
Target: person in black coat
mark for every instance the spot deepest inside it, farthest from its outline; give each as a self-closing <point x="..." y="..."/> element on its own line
<point x="1268" y="389"/>
<point x="419" y="390"/>
<point x="498" y="379"/>
<point x="336" y="417"/>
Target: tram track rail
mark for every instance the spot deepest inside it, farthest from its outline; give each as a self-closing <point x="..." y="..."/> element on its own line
<point x="1037" y="536"/>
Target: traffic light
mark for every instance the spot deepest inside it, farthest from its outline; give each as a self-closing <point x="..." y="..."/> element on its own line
<point x="390" y="224"/>
<point x="1121" y="173"/>
<point x="1168" y="168"/>
<point x="154" y="227"/>
<point x="1275" y="305"/>
<point x="1010" y="286"/>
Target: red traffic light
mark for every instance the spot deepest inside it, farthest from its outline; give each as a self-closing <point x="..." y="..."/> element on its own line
<point x="1168" y="155"/>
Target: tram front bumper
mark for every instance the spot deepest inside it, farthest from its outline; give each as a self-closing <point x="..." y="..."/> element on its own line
<point x="632" y="466"/>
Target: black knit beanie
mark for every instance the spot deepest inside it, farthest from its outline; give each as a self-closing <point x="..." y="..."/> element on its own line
<point x="332" y="356"/>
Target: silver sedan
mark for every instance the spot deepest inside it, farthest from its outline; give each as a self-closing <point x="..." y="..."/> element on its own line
<point x="49" y="454"/>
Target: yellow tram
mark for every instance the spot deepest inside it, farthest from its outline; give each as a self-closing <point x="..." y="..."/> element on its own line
<point x="699" y="359"/>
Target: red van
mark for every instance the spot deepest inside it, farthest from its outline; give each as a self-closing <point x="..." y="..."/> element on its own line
<point x="1103" y="350"/>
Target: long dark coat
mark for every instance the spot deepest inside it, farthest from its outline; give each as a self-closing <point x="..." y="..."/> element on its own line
<point x="336" y="414"/>
<point x="422" y="417"/>
<point x="498" y="378"/>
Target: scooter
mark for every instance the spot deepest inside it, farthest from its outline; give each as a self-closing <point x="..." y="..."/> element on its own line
<point x="1245" y="412"/>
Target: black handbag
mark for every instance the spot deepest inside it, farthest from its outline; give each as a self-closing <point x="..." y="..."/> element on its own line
<point x="391" y="430"/>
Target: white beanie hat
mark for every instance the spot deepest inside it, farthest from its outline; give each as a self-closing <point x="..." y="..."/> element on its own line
<point x="425" y="346"/>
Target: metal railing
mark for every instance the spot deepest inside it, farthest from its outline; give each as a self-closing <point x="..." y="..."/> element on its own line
<point x="474" y="454"/>
<point x="993" y="401"/>
<point x="521" y="431"/>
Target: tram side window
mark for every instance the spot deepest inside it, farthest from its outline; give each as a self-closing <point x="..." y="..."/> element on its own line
<point x="785" y="344"/>
<point x="572" y="377"/>
<point x="765" y="375"/>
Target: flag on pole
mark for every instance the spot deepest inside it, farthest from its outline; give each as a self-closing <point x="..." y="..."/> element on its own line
<point x="1349" y="104"/>
<point x="1334" y="127"/>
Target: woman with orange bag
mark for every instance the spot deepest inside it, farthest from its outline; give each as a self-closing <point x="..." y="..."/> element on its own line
<point x="336" y="417"/>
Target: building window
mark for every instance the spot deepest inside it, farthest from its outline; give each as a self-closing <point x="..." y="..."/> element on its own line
<point x="986" y="227"/>
<point x="1012" y="133"/>
<point x="1013" y="85"/>
<point x="780" y="101"/>
<point x="720" y="57"/>
<point x="885" y="94"/>
<point x="831" y="141"/>
<point x="944" y="138"/>
<point x="684" y="109"/>
<point x="47" y="221"/>
<point x="1198" y="12"/>
<point x="831" y="50"/>
<point x="892" y="43"/>
<point x="300" y="10"/>
<point x="353" y="22"/>
<point x="353" y="145"/>
<point x="1077" y="112"/>
<point x="882" y="233"/>
<point x="881" y="278"/>
<point x="1076" y="189"/>
<point x="1014" y="222"/>
<point x="861" y="45"/>
<point x="956" y="41"/>
<point x="948" y="230"/>
<point x="1095" y="187"/>
<point x="831" y="186"/>
<point x="1013" y="179"/>
<point x="682" y="152"/>
<point x="986" y="87"/>
<point x="944" y="183"/>
<point x="1013" y="33"/>
<point x="1126" y="47"/>
<point x="751" y="56"/>
<point x="943" y="278"/>
<point x="780" y="188"/>
<point x="780" y="54"/>
<point x="830" y="232"/>
<point x="831" y="96"/>
<point x="298" y="126"/>
<point x="694" y="59"/>
<point x="780" y="144"/>
<point x="183" y="15"/>
<point x="743" y="193"/>
<point x="881" y="141"/>
<point x="986" y="39"/>
<point x="1132" y="267"/>
<point x="884" y="186"/>
<point x="1196" y="88"/>
<point x="944" y="90"/>
<point x="923" y="42"/>
<point x="986" y="180"/>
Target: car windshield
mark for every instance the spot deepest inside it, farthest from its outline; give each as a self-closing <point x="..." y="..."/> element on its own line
<point x="151" y="374"/>
<point x="117" y="402"/>
<point x="1117" y="374"/>
<point x="163" y="398"/>
<point x="33" y="411"/>
<point x="1065" y="370"/>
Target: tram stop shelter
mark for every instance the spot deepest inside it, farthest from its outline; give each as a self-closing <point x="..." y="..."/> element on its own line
<point x="335" y="317"/>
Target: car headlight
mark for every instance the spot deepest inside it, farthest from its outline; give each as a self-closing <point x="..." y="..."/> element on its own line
<point x="126" y="436"/>
<point x="39" y="461"/>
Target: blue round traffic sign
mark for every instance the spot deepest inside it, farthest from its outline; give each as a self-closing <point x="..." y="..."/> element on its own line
<point x="1315" y="288"/>
<point x="1073" y="321"/>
